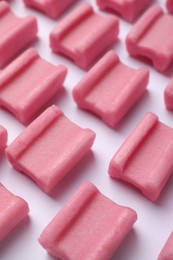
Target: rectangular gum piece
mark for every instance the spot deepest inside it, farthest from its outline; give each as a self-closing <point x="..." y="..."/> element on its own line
<point x="77" y="38"/>
<point x="145" y="158"/>
<point x="52" y="8"/>
<point x="89" y="226"/>
<point x="169" y="5"/>
<point x="15" y="33"/>
<point x="110" y="88"/>
<point x="28" y="83"/>
<point x="167" y="251"/>
<point x="151" y="37"/>
<point x="128" y="9"/>
<point x="49" y="148"/>
<point x="3" y="138"/>
<point x="13" y="210"/>
<point x="168" y="95"/>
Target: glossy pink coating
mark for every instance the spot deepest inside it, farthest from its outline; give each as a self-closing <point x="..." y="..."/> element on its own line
<point x="3" y="137"/>
<point x="77" y="38"/>
<point x="151" y="37"/>
<point x="169" y="5"/>
<point x="145" y="158"/>
<point x="89" y="226"/>
<point x="52" y="8"/>
<point x="49" y="148"/>
<point x="13" y="210"/>
<point x="167" y="251"/>
<point x="15" y="33"/>
<point x="168" y="95"/>
<point x="28" y="83"/>
<point x="110" y="88"/>
<point x="128" y="9"/>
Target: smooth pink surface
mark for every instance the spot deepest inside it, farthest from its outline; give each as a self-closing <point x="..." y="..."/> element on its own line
<point x="52" y="8"/>
<point x="49" y="148"/>
<point x="28" y="83"/>
<point x="152" y="37"/>
<point x="89" y="226"/>
<point x="168" y="95"/>
<point x="110" y="88"/>
<point x="3" y="137"/>
<point x="167" y="251"/>
<point x="15" y="33"/>
<point x="13" y="210"/>
<point x="145" y="158"/>
<point x="169" y="5"/>
<point x="77" y="38"/>
<point x="128" y="9"/>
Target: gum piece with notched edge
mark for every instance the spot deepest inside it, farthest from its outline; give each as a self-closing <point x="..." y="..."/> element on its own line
<point x="77" y="38"/>
<point x="49" y="148"/>
<point x="110" y="88"/>
<point x="15" y="33"/>
<point x="169" y="5"/>
<point x="28" y="83"/>
<point x="168" y="95"/>
<point x="128" y="9"/>
<point x="13" y="210"/>
<point x="167" y="251"/>
<point x="52" y="8"/>
<point x="151" y="37"/>
<point x="145" y="158"/>
<point x="3" y="138"/>
<point x="89" y="226"/>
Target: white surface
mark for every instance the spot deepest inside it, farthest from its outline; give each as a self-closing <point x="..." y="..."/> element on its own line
<point x="154" y="222"/>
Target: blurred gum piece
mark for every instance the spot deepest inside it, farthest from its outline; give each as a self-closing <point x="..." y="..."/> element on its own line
<point x="89" y="226"/>
<point x="151" y="37"/>
<point x="110" y="88"/>
<point x="15" y="33"/>
<point x="49" y="148"/>
<point x="13" y="210"/>
<point x="52" y="8"/>
<point x="167" y="251"/>
<point x="83" y="35"/>
<point x="28" y="83"/>
<point x="145" y="158"/>
<point x="128" y="9"/>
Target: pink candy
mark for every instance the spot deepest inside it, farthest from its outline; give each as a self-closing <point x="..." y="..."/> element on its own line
<point x="15" y="33"/>
<point x="90" y="226"/>
<point x="169" y="5"/>
<point x="49" y="148"/>
<point x="110" y="88"/>
<point x="13" y="210"/>
<point x="168" y="95"/>
<point x="28" y="83"/>
<point x="152" y="37"/>
<point x="145" y="158"/>
<point x="167" y="251"/>
<point x="52" y="8"/>
<point x="3" y="138"/>
<point x="128" y="9"/>
<point x="77" y="38"/>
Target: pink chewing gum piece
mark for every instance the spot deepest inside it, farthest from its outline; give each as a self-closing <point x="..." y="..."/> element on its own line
<point x="152" y="37"/>
<point x="128" y="9"/>
<point x="89" y="226"/>
<point x="169" y="5"/>
<point x="52" y="8"/>
<point x="77" y="38"/>
<point x="144" y="159"/>
<point x="15" y="33"/>
<point x="49" y="148"/>
<point x="28" y="83"/>
<point x="3" y="138"/>
<point x="110" y="88"/>
<point x="167" y="251"/>
<point x="168" y="95"/>
<point x="13" y="210"/>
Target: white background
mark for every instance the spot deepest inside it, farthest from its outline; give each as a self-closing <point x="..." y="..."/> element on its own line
<point x="154" y="222"/>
